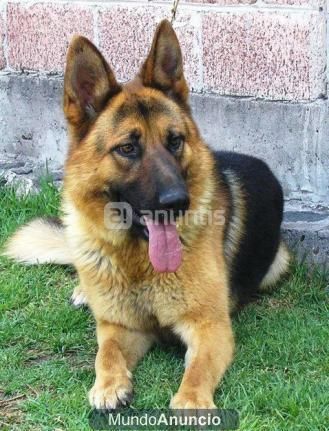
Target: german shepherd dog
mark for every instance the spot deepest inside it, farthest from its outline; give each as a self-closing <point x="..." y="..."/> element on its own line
<point x="138" y="145"/>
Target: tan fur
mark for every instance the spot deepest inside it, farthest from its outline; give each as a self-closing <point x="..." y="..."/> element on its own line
<point x="38" y="242"/>
<point x="236" y="227"/>
<point x="278" y="268"/>
<point x="119" y="351"/>
<point x="78" y="298"/>
<point x="133" y="304"/>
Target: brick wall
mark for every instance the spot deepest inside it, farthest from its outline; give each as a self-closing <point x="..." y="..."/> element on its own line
<point x="270" y="49"/>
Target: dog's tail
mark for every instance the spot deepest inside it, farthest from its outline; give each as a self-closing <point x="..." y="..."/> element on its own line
<point x="40" y="241"/>
<point x="279" y="267"/>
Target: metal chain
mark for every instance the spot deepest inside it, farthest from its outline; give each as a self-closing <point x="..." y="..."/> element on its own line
<point x="174" y="10"/>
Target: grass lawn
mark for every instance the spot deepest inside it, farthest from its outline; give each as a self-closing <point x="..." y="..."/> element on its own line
<point x="279" y="379"/>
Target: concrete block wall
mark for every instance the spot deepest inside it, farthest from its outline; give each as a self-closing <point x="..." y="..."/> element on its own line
<point x="257" y="70"/>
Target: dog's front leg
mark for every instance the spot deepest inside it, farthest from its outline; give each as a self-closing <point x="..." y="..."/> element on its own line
<point x="119" y="349"/>
<point x="210" y="348"/>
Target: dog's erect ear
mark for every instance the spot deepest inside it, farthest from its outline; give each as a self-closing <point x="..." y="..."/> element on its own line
<point x="163" y="68"/>
<point x="89" y="83"/>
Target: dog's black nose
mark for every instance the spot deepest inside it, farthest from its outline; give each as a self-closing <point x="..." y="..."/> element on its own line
<point x="175" y="199"/>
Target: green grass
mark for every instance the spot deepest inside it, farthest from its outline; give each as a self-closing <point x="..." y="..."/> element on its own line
<point x="279" y="379"/>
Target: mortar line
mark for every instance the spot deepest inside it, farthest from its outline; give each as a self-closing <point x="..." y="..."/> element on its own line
<point x="259" y="5"/>
<point x="95" y="25"/>
<point x="5" y="39"/>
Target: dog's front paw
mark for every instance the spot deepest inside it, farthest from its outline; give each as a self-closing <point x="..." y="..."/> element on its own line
<point x="192" y="401"/>
<point x="78" y="298"/>
<point x="111" y="393"/>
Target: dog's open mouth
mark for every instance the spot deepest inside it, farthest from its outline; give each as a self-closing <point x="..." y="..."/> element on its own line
<point x="165" y="247"/>
<point x="139" y="224"/>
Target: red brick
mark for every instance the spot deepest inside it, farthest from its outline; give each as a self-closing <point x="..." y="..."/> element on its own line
<point x="2" y="40"/>
<point x="222" y="2"/>
<point x="125" y="36"/>
<point x="186" y="26"/>
<point x="305" y="3"/>
<point x="39" y="34"/>
<point x="265" y="54"/>
<point x="216" y="2"/>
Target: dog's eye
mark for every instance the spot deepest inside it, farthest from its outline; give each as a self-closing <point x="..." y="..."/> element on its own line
<point x="175" y="143"/>
<point x="128" y="150"/>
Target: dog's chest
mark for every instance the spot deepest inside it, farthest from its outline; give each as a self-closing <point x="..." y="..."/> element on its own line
<point x="141" y="305"/>
<point x="127" y="291"/>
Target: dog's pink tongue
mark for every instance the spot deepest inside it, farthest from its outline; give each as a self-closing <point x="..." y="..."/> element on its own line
<point x="165" y="248"/>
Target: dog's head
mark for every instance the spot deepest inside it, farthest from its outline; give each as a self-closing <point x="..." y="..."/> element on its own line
<point x="134" y="143"/>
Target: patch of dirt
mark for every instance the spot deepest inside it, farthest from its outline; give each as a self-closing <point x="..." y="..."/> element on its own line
<point x="37" y="357"/>
<point x="11" y="413"/>
<point x="279" y="303"/>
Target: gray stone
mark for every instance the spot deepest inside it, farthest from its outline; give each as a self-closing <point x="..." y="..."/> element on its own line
<point x="308" y="235"/>
<point x="23" y="170"/>
<point x="57" y="175"/>
<point x="11" y="164"/>
<point x="23" y="185"/>
<point x="304" y="216"/>
<point x="25" y="178"/>
<point x="291" y="137"/>
<point x="31" y="118"/>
